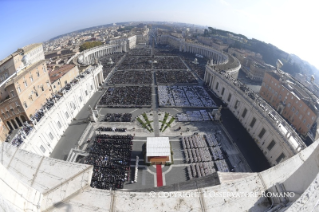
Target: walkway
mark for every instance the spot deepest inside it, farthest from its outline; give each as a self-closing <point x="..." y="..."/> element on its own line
<point x="159" y="175"/>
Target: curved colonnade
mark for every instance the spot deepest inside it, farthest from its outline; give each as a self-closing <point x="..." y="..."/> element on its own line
<point x="31" y="182"/>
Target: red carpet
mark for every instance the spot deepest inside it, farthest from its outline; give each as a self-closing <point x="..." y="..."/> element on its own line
<point x="159" y="175"/>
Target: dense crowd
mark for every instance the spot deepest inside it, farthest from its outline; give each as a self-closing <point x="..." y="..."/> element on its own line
<point x="140" y="51"/>
<point x="129" y="96"/>
<point x="107" y="68"/>
<point x="136" y="62"/>
<point x="197" y="68"/>
<point x="131" y="77"/>
<point x="204" y="153"/>
<point x="168" y="63"/>
<point x="184" y="96"/>
<point x="164" y="77"/>
<point x="118" y="117"/>
<point x="111" y="157"/>
<point x="201" y="115"/>
<point x="111" y="129"/>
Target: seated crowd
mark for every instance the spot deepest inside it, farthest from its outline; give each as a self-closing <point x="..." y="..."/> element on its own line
<point x="131" y="77"/>
<point x="184" y="96"/>
<point x="164" y="77"/>
<point x="107" y="68"/>
<point x="129" y="96"/>
<point x="168" y="63"/>
<point x="111" y="157"/>
<point x="118" y="117"/>
<point x="136" y="62"/>
<point x="146" y="51"/>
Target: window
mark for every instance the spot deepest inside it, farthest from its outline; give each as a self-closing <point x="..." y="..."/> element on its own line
<point x="65" y="82"/>
<point x="42" y="88"/>
<point x="281" y="157"/>
<point x="66" y="115"/>
<point x="229" y="97"/>
<point x="43" y="68"/>
<point x="86" y="92"/>
<point x="31" y="79"/>
<point x="293" y="109"/>
<point x="236" y="104"/>
<point x="313" y="118"/>
<point x="36" y="93"/>
<point x="25" y="83"/>
<point x="12" y="93"/>
<point x="80" y="98"/>
<point x="25" y="104"/>
<point x="51" y="136"/>
<point x="223" y="91"/>
<point x="262" y="133"/>
<point x="308" y="113"/>
<point x="288" y="104"/>
<point x="244" y="113"/>
<point x="279" y="97"/>
<point x="271" y="145"/>
<point x="42" y="148"/>
<point x="59" y="125"/>
<point x="252" y="123"/>
<point x="300" y="117"/>
<point x="38" y="74"/>
<point x="19" y="90"/>
<point x="304" y="121"/>
<point x="91" y="87"/>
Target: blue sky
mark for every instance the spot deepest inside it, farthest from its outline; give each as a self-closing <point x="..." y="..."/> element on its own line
<point x="291" y="25"/>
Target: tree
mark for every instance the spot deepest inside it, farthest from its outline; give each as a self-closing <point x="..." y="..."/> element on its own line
<point x="89" y="45"/>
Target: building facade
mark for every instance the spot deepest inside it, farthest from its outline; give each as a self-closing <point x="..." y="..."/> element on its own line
<point x="272" y="134"/>
<point x="61" y="77"/>
<point x="297" y="105"/>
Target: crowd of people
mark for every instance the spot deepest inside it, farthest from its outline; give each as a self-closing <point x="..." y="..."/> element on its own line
<point x="168" y="63"/>
<point x="111" y="157"/>
<point x="136" y="62"/>
<point x="128" y="96"/>
<point x="111" y="129"/>
<point x="197" y="68"/>
<point x="164" y="77"/>
<point x="140" y="51"/>
<point x="105" y="61"/>
<point x="204" y="153"/>
<point x="184" y="96"/>
<point x="118" y="117"/>
<point x="131" y="77"/>
<point x="201" y="115"/>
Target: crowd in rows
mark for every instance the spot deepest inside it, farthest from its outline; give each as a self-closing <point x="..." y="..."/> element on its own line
<point x="203" y="151"/>
<point x="168" y="63"/>
<point x="118" y="117"/>
<point x="136" y="62"/>
<point x="164" y="77"/>
<point x="107" y="65"/>
<point x="111" y="129"/>
<point x="140" y="51"/>
<point x="111" y="157"/>
<point x="128" y="96"/>
<point x="184" y="96"/>
<point x="201" y="115"/>
<point x="197" y="68"/>
<point x="131" y="77"/>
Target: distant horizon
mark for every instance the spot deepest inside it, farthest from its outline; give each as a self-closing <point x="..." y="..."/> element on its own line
<point x="288" y="25"/>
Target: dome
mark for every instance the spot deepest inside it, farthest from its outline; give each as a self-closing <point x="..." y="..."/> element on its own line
<point x="80" y="59"/>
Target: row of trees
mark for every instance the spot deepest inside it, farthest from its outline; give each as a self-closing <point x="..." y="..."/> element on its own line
<point x="89" y="45"/>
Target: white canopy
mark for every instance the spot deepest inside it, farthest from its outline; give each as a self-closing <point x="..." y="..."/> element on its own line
<point x="157" y="146"/>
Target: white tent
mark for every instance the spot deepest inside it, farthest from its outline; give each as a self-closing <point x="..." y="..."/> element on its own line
<point x="157" y="146"/>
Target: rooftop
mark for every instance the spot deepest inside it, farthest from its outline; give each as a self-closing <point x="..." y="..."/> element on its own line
<point x="58" y="73"/>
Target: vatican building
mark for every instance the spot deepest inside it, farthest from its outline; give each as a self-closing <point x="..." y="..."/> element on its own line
<point x="152" y="119"/>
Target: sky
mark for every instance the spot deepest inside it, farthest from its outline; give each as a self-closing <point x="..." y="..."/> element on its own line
<point x="291" y="25"/>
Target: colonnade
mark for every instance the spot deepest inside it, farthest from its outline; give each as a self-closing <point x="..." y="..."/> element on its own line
<point x="91" y="55"/>
<point x="16" y="122"/>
